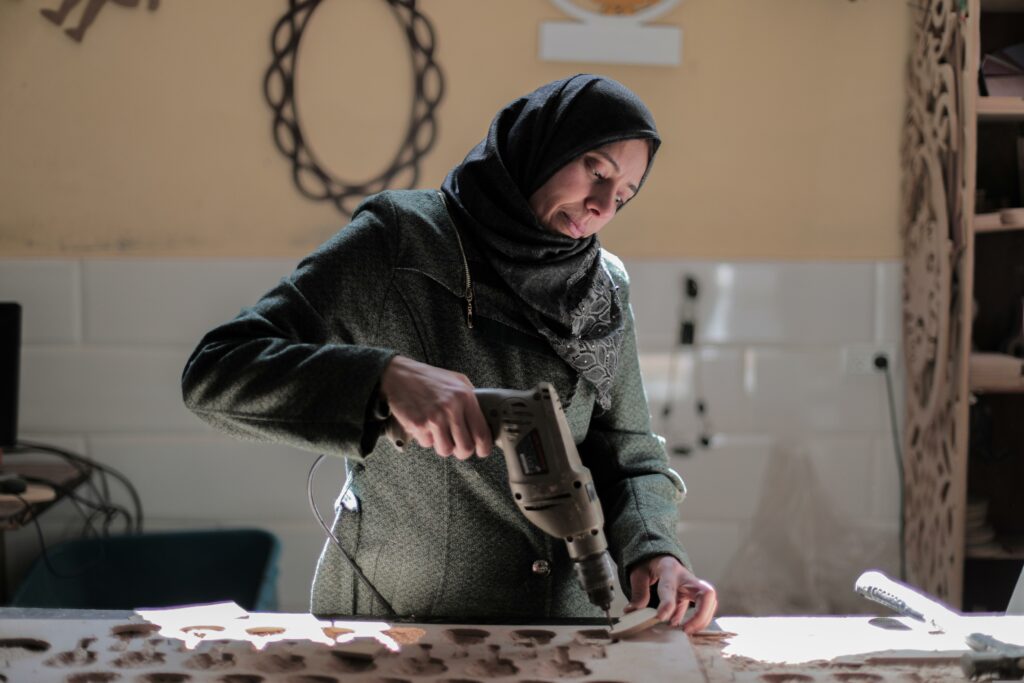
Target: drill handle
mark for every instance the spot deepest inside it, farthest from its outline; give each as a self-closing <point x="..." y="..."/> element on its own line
<point x="489" y="400"/>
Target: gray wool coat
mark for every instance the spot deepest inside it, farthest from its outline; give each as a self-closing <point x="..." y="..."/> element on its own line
<point x="438" y="537"/>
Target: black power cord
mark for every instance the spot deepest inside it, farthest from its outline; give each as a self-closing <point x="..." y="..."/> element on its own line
<point x="86" y="464"/>
<point x="108" y="509"/>
<point x="91" y="510"/>
<point x="881" y="362"/>
<point x="337" y="542"/>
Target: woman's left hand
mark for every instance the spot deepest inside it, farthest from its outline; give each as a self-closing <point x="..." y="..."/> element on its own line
<point x="677" y="588"/>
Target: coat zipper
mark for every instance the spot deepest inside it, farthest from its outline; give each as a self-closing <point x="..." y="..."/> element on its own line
<point x="468" y="295"/>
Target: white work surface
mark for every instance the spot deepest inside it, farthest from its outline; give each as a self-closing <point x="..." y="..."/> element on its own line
<point x="851" y="649"/>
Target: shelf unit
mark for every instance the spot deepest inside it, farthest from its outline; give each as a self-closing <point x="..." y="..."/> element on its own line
<point x="1000" y="109"/>
<point x="992" y="312"/>
<point x="1007" y="550"/>
<point x="994" y="222"/>
<point x="1001" y="6"/>
<point x="996" y="373"/>
<point x="963" y="436"/>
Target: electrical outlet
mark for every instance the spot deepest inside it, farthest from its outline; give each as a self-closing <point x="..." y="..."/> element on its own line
<point x="859" y="359"/>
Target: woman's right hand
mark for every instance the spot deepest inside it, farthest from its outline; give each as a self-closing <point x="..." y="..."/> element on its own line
<point x="436" y="407"/>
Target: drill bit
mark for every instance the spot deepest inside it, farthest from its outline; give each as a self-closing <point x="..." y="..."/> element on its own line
<point x="608" y="616"/>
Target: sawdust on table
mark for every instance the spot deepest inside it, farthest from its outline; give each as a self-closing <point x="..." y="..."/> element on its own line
<point x="405" y="635"/>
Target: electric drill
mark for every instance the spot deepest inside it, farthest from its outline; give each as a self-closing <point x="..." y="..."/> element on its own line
<point x="549" y="483"/>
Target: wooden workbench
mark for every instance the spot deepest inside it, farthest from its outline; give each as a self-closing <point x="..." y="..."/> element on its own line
<point x="235" y="646"/>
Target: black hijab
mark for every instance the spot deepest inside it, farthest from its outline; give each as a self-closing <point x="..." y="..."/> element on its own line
<point x="568" y="295"/>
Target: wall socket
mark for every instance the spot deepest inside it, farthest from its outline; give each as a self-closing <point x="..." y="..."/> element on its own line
<point x="859" y="359"/>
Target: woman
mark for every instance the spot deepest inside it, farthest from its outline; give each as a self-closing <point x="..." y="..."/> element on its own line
<point x="497" y="280"/>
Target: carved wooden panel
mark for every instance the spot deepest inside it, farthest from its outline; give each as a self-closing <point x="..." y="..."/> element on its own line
<point x="934" y="229"/>
<point x="298" y="648"/>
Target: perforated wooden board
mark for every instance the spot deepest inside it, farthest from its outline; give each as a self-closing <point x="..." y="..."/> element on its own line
<point x="94" y="651"/>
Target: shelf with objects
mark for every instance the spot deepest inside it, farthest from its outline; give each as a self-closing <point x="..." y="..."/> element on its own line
<point x="1005" y="220"/>
<point x="27" y="490"/>
<point x="962" y="228"/>
<point x="994" y="511"/>
<point x="1000" y="109"/>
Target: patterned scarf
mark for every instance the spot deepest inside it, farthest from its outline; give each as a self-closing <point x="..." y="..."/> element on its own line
<point x="567" y="293"/>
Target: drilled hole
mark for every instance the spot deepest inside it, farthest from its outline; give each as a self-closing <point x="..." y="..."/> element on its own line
<point x="168" y="677"/>
<point x="530" y="636"/>
<point x="129" y="631"/>
<point x="467" y="636"/>
<point x="27" y="644"/>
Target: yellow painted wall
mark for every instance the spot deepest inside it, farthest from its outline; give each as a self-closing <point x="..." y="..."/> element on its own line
<point x="152" y="138"/>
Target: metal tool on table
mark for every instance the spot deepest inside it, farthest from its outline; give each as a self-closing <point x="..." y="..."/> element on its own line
<point x="549" y="483"/>
<point x="901" y="598"/>
<point x="990" y="656"/>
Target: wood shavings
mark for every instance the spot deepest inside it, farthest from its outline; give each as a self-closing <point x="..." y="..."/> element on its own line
<point x="406" y="635"/>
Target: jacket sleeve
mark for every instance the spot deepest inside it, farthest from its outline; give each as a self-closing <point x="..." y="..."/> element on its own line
<point x="639" y="492"/>
<point x="299" y="367"/>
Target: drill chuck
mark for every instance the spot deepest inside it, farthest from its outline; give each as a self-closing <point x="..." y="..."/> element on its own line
<point x="596" y="574"/>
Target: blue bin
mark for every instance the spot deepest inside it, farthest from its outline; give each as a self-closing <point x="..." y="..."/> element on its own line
<point x="156" y="570"/>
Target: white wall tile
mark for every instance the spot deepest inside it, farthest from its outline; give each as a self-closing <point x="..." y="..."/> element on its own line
<point x="711" y="546"/>
<point x="728" y="481"/>
<point x="668" y="383"/>
<point x="75" y="443"/>
<point x="780" y="303"/>
<point x="885" y="487"/>
<point x="888" y="295"/>
<point x="668" y="376"/>
<point x="808" y="390"/>
<point x="756" y="303"/>
<point x="152" y="301"/>
<point x="86" y="389"/>
<point x="844" y="468"/>
<point x="657" y="294"/>
<point x="716" y="376"/>
<point x="49" y="294"/>
<point x="882" y="546"/>
<point x="188" y="477"/>
<point x="724" y="482"/>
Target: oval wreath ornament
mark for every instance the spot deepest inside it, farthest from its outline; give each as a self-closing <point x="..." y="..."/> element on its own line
<point x="311" y="177"/>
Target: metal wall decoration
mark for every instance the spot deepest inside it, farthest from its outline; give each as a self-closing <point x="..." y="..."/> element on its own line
<point x="311" y="177"/>
<point x="933" y="224"/>
<point x="92" y="9"/>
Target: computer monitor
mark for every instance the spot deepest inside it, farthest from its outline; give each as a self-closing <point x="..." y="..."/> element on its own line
<point x="10" y="355"/>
